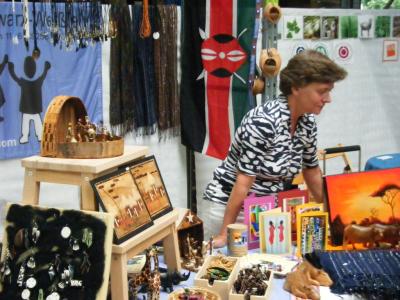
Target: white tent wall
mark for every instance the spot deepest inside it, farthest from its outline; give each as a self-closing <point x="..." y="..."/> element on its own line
<point x="364" y="111"/>
<point x="365" y="106"/>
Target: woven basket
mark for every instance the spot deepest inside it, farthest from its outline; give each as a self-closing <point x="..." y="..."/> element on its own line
<point x="62" y="111"/>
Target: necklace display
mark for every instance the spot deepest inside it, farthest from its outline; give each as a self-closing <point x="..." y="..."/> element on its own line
<point x="51" y="257"/>
<point x="71" y="25"/>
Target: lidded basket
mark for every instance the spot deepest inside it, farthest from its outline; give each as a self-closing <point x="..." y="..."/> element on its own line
<point x="61" y="116"/>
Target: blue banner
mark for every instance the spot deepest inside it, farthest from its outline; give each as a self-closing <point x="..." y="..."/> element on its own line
<point x="27" y="85"/>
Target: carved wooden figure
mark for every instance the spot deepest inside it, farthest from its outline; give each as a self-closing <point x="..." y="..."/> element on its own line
<point x="149" y="277"/>
<point x="391" y="234"/>
<point x="304" y="279"/>
<point x="366" y="235"/>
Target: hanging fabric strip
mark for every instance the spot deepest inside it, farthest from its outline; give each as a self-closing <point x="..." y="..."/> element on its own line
<point x="165" y="61"/>
<point x="143" y="56"/>
<point x="122" y="99"/>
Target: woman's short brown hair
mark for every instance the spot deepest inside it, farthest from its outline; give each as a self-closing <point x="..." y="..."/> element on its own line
<point x="307" y="67"/>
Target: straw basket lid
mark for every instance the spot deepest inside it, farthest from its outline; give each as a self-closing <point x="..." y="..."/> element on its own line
<point x="61" y="111"/>
<point x="194" y="291"/>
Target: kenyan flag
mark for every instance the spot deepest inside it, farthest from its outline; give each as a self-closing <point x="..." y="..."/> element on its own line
<point x="216" y="51"/>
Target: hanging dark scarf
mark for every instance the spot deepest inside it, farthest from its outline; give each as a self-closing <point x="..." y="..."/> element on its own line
<point x="165" y="61"/>
<point x="122" y="97"/>
<point x="144" y="79"/>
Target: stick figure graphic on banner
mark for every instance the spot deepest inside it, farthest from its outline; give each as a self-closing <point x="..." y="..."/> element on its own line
<point x="31" y="97"/>
<point x="2" y="98"/>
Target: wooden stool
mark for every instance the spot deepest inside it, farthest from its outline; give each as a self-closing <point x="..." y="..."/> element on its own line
<point x="163" y="229"/>
<point x="72" y="171"/>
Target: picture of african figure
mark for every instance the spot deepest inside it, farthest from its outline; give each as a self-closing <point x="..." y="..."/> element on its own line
<point x="275" y="233"/>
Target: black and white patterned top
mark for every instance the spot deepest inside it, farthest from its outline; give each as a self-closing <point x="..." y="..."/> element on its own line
<point x="263" y="147"/>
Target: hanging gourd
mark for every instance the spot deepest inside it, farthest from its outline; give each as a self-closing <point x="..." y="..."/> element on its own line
<point x="258" y="86"/>
<point x="272" y="12"/>
<point x="270" y="62"/>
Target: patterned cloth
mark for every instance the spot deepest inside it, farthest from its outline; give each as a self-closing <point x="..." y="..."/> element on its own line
<point x="373" y="274"/>
<point x="264" y="148"/>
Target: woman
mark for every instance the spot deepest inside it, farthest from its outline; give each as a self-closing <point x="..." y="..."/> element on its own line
<point x="278" y="139"/>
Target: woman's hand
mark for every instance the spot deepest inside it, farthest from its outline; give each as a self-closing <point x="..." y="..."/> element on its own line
<point x="219" y="241"/>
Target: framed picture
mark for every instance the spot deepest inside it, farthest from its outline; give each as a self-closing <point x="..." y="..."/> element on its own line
<point x="253" y="206"/>
<point x="288" y="200"/>
<point x="117" y="193"/>
<point x="312" y="232"/>
<point x="275" y="233"/>
<point x="330" y="27"/>
<point x="311" y="27"/>
<point x="292" y="198"/>
<point x="366" y="26"/>
<point x="390" y="50"/>
<point x="151" y="186"/>
<point x="362" y="198"/>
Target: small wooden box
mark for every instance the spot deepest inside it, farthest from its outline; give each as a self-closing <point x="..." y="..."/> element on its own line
<point x="62" y="111"/>
<point x="221" y="287"/>
<point x="267" y="295"/>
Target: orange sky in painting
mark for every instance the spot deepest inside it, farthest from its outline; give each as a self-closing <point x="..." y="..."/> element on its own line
<point x="349" y="195"/>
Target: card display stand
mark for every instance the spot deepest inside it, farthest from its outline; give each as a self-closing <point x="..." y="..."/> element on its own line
<point x="80" y="172"/>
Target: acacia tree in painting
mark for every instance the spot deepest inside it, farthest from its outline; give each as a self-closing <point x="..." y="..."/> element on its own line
<point x="388" y="194"/>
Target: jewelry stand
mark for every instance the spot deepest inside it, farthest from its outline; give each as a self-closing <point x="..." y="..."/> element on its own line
<point x="80" y="172"/>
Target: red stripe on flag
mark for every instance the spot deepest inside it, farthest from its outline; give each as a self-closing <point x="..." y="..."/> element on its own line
<point x="218" y="89"/>
<point x="221" y="17"/>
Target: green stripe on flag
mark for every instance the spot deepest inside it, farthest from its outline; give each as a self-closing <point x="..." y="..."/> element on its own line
<point x="246" y="15"/>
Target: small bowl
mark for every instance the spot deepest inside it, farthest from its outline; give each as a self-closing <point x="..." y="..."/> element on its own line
<point x="194" y="293"/>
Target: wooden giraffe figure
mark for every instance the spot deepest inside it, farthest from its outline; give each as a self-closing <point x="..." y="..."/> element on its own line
<point x="148" y="277"/>
<point x="154" y="281"/>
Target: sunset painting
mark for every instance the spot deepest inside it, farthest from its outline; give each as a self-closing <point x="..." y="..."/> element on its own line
<point x="363" y="198"/>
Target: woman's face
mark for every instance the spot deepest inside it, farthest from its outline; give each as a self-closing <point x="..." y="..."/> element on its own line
<point x="312" y="97"/>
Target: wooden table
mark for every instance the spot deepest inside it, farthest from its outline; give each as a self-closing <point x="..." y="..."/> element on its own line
<point x="163" y="229"/>
<point x="72" y="171"/>
<point x="79" y="172"/>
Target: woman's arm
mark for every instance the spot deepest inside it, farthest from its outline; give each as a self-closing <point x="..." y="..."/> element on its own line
<point x="313" y="179"/>
<point x="239" y="192"/>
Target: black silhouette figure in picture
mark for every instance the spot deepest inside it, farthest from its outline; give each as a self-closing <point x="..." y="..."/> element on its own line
<point x="2" y="98"/>
<point x="31" y="97"/>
